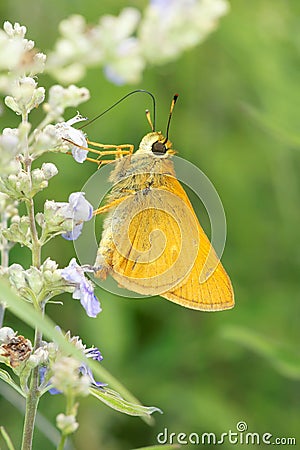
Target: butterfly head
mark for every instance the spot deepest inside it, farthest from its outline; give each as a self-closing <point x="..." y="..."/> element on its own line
<point x="156" y="144"/>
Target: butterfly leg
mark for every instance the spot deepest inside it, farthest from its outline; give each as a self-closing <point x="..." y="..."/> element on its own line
<point x="108" y="150"/>
<point x="110" y="205"/>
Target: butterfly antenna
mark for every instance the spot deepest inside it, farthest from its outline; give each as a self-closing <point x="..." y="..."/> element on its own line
<point x="119" y="101"/>
<point x="170" y="116"/>
<point x="148" y="117"/>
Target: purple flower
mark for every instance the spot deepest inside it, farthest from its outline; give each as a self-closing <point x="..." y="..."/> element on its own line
<point x="84" y="369"/>
<point x="95" y="354"/>
<point x="73" y="234"/>
<point x="79" y="154"/>
<point x="78" y="209"/>
<point x="42" y="372"/>
<point x="71" y="135"/>
<point x="81" y="208"/>
<point x="84" y="290"/>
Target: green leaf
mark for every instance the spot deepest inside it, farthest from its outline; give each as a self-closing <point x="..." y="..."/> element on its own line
<point x="283" y="359"/>
<point x="8" y="379"/>
<point x="7" y="439"/>
<point x="26" y="312"/>
<point x="159" y="447"/>
<point x="115" y="401"/>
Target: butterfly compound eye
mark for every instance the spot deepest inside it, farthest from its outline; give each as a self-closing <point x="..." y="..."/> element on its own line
<point x="158" y="148"/>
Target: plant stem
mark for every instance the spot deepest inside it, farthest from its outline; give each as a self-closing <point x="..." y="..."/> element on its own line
<point x="34" y="393"/>
<point x="4" y="260"/>
<point x="62" y="442"/>
<point x="30" y="412"/>
<point x="32" y="399"/>
<point x="36" y="245"/>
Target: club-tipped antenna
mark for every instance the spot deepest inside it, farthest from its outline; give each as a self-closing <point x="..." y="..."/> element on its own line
<point x="119" y="101"/>
<point x="148" y="117"/>
<point x="170" y="116"/>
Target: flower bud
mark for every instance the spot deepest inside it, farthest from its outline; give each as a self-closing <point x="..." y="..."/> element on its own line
<point x="49" y="265"/>
<point x="49" y="170"/>
<point x="23" y="91"/>
<point x="18" y="231"/>
<point x="34" y="279"/>
<point x="52" y="350"/>
<point x="6" y="334"/>
<point x="12" y="104"/>
<point x="9" y="144"/>
<point x="15" y="219"/>
<point x="39" y="357"/>
<point x="51" y="273"/>
<point x="37" y="98"/>
<point x="67" y="377"/>
<point x="39" y="61"/>
<point x="66" y="424"/>
<point x="45" y="140"/>
<point x="17" y="276"/>
<point x="22" y="184"/>
<point x="14" y="31"/>
<point x="37" y="176"/>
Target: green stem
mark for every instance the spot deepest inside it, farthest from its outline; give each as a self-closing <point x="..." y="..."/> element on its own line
<point x="4" y="260"/>
<point x="30" y="412"/>
<point x="33" y="396"/>
<point x="36" y="245"/>
<point x="62" y="442"/>
<point x="32" y="400"/>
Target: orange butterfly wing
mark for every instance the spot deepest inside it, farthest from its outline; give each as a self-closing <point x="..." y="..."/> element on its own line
<point x="164" y="251"/>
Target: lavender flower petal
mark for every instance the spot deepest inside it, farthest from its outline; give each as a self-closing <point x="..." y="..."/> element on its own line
<point x="84" y="290"/>
<point x="82" y="209"/>
<point x="73" y="234"/>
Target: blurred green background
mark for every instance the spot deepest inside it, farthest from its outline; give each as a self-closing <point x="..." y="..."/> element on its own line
<point x="237" y="119"/>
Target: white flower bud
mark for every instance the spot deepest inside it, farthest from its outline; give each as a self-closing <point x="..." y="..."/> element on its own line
<point x="39" y="61"/>
<point x="45" y="139"/>
<point x="50" y="272"/>
<point x="49" y="170"/>
<point x="39" y="181"/>
<point x="23" y="183"/>
<point x="12" y="104"/>
<point x="23" y="90"/>
<point x="49" y="265"/>
<point x="34" y="279"/>
<point x="61" y="98"/>
<point x="52" y="349"/>
<point x="16" y="30"/>
<point x="6" y="334"/>
<point x="66" y="424"/>
<point x="37" y="176"/>
<point x="9" y="143"/>
<point x="37" y="98"/>
<point x="67" y="378"/>
<point x="39" y="357"/>
<point x="25" y="95"/>
<point x="17" y="276"/>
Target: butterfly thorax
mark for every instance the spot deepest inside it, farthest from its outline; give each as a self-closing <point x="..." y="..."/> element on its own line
<point x="143" y="169"/>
